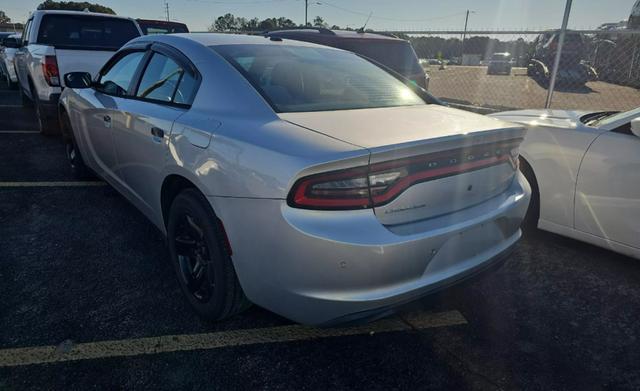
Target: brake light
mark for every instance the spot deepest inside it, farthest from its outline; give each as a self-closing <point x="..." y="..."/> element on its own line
<point x="50" y="70"/>
<point x="380" y="183"/>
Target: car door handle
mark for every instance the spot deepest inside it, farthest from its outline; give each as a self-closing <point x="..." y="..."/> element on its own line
<point x="107" y="121"/>
<point x="157" y="132"/>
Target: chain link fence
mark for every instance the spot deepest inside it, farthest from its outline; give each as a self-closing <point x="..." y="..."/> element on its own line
<point x="501" y="70"/>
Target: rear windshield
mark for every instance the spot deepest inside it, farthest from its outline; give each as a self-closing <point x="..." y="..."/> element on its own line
<point x="397" y="55"/>
<point x="86" y="32"/>
<point x="150" y="27"/>
<point x="500" y="57"/>
<point x="298" y="78"/>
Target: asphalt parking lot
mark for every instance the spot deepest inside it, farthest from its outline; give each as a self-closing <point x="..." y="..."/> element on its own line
<point x="471" y="85"/>
<point x="88" y="300"/>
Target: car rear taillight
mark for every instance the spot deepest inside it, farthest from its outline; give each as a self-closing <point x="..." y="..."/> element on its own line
<point x="380" y="183"/>
<point x="50" y="70"/>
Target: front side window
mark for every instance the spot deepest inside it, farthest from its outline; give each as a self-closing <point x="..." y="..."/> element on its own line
<point x="299" y="78"/>
<point x="165" y="81"/>
<point x="25" y="34"/>
<point x="117" y="79"/>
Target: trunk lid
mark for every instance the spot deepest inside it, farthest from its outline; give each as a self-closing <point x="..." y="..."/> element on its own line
<point x="449" y="159"/>
<point x="81" y="61"/>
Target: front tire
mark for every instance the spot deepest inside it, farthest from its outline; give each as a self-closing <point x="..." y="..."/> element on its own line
<point x="200" y="257"/>
<point x="530" y="221"/>
<point x="78" y="167"/>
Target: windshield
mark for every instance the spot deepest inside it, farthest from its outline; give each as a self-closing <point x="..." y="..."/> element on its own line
<point x="500" y="57"/>
<point x="617" y="117"/>
<point x="86" y="32"/>
<point x="298" y="78"/>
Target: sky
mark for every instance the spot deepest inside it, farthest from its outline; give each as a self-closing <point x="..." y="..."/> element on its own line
<point x="386" y="14"/>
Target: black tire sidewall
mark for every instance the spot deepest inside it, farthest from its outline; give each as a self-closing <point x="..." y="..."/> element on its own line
<point x="78" y="168"/>
<point x="189" y="202"/>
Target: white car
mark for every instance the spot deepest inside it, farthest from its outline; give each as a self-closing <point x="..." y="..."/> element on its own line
<point x="57" y="42"/>
<point x="584" y="169"/>
<point x="8" y="48"/>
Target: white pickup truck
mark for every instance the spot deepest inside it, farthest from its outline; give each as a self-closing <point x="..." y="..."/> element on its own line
<point x="55" y="43"/>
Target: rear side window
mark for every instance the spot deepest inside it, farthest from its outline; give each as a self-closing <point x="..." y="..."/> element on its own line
<point x="86" y="32"/>
<point x="166" y="81"/>
<point x="118" y="78"/>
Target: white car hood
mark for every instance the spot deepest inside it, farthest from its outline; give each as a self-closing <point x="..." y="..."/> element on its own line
<point x="549" y="118"/>
<point x="370" y="128"/>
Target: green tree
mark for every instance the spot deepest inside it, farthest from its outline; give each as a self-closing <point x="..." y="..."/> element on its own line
<point x="228" y="23"/>
<point x="75" y="6"/>
<point x="4" y="18"/>
<point x="319" y="22"/>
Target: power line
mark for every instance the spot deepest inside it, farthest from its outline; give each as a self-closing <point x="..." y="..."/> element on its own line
<point x="238" y="2"/>
<point x="387" y="18"/>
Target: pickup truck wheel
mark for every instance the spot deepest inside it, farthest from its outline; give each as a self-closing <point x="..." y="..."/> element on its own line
<point x="200" y="256"/>
<point x="46" y="126"/>
<point x="26" y="101"/>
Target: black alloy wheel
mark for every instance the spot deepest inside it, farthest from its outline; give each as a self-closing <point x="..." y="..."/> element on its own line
<point x="194" y="259"/>
<point x="201" y="258"/>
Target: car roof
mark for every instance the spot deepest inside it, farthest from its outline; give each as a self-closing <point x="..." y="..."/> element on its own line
<point x="78" y="13"/>
<point x="338" y="34"/>
<point x="158" y="21"/>
<point x="216" y="39"/>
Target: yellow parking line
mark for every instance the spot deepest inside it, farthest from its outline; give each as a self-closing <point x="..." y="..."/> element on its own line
<point x="53" y="184"/>
<point x="69" y="351"/>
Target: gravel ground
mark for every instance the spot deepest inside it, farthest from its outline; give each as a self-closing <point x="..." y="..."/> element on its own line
<point x="472" y="86"/>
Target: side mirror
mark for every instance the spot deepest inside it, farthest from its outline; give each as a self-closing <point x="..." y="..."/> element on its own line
<point x="77" y="80"/>
<point x="635" y="126"/>
<point x="11" y="43"/>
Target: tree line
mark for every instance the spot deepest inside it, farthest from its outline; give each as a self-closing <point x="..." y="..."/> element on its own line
<point x="230" y="23"/>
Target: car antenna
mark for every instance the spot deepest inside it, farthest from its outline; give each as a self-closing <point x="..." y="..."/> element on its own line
<point x="361" y="29"/>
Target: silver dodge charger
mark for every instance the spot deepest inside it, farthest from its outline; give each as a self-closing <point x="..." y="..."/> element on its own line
<point x="305" y="179"/>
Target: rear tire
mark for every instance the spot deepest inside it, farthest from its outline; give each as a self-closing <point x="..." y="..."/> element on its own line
<point x="47" y="127"/>
<point x="26" y="101"/>
<point x="530" y="221"/>
<point x="199" y="254"/>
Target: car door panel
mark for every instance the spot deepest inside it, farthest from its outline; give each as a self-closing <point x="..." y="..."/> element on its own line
<point x="101" y="112"/>
<point x="141" y="142"/>
<point x="608" y="190"/>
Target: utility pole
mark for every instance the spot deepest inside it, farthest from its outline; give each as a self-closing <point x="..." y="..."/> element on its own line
<point x="556" y="62"/>
<point x="306" y="12"/>
<point x="166" y="9"/>
<point x="464" y="34"/>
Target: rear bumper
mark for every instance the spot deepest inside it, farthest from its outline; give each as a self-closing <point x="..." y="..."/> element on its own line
<point x="323" y="268"/>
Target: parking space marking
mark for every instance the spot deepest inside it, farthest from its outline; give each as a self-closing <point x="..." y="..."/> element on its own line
<point x="53" y="184"/>
<point x="19" y="132"/>
<point x="68" y="351"/>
